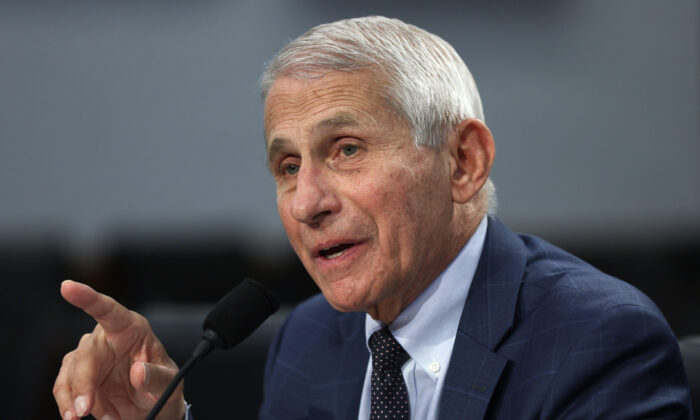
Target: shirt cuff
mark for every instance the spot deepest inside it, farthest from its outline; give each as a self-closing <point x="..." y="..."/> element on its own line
<point x="188" y="411"/>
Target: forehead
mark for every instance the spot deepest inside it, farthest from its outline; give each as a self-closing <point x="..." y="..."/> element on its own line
<point x="335" y="100"/>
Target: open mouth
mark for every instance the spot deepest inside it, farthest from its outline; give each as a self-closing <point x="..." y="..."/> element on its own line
<point x="335" y="251"/>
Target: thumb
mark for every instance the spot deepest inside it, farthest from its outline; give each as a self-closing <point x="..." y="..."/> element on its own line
<point x="151" y="378"/>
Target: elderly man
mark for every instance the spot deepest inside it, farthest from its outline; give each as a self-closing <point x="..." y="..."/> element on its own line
<point x="431" y="308"/>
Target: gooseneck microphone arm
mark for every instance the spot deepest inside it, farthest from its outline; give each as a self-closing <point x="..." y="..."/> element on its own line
<point x="171" y="387"/>
<point x="234" y="318"/>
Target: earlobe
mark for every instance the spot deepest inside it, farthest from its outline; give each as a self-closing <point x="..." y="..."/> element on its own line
<point x="472" y="152"/>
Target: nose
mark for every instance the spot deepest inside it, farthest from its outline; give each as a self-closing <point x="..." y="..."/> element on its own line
<point x="313" y="199"/>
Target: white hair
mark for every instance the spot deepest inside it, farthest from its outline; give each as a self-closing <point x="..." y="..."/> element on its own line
<point x="425" y="80"/>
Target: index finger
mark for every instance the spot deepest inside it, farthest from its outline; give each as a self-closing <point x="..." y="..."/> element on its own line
<point x="110" y="314"/>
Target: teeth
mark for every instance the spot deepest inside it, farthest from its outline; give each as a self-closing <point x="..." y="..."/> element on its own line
<point x="336" y="255"/>
<point x="334" y="251"/>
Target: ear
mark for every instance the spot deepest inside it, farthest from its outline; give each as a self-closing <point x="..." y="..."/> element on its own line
<point x="472" y="151"/>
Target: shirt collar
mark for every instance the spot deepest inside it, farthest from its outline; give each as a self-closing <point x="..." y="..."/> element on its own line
<point x="427" y="327"/>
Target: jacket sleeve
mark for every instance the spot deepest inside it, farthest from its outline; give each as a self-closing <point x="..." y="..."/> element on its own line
<point x="285" y="387"/>
<point x="624" y="365"/>
<point x="269" y="376"/>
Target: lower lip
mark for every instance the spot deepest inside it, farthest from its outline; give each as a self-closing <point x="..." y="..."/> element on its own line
<point x="346" y="258"/>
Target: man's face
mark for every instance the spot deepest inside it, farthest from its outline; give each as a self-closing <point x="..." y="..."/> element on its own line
<point x="368" y="213"/>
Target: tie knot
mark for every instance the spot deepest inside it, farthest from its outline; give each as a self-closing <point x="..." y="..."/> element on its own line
<point x="386" y="351"/>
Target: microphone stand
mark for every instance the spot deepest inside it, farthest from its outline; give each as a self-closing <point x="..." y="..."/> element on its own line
<point x="209" y="341"/>
<point x="249" y="299"/>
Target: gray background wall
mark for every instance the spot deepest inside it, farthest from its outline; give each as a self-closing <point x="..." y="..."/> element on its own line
<point x="131" y="151"/>
<point x="146" y="116"/>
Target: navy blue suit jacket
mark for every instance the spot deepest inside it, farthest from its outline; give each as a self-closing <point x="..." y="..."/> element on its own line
<point x="542" y="335"/>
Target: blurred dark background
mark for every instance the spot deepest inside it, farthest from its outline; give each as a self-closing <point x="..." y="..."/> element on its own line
<point x="132" y="158"/>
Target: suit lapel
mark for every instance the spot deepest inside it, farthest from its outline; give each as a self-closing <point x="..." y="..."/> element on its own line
<point x="354" y="366"/>
<point x="475" y="368"/>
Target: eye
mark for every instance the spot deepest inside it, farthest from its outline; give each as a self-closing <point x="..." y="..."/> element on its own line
<point x="349" y="150"/>
<point x="290" y="169"/>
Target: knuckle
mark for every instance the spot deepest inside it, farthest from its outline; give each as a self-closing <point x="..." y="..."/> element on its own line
<point x="80" y="353"/>
<point x="81" y="384"/>
<point x="140" y="321"/>
<point x="57" y="388"/>
<point x="85" y="339"/>
<point x="98" y="334"/>
<point x="84" y="354"/>
<point x="68" y="358"/>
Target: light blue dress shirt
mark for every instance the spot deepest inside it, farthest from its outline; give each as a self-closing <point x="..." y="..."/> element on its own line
<point x="426" y="329"/>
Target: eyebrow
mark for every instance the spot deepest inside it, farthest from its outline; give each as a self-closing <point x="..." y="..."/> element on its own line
<point x="276" y="145"/>
<point x="340" y="120"/>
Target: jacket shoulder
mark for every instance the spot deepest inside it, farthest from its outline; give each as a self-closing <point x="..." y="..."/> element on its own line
<point x="553" y="275"/>
<point x="588" y="343"/>
<point x="310" y="351"/>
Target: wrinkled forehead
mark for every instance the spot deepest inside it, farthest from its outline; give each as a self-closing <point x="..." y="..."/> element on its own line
<point x="335" y="98"/>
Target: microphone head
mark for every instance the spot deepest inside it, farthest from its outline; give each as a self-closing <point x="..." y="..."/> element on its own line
<point x="239" y="313"/>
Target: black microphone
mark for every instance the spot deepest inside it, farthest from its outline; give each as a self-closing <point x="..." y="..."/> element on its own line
<point x="234" y="318"/>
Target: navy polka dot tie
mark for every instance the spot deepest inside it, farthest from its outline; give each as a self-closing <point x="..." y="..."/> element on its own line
<point x="389" y="395"/>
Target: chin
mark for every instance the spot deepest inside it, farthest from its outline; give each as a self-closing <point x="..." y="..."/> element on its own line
<point x="343" y="305"/>
<point x="345" y="302"/>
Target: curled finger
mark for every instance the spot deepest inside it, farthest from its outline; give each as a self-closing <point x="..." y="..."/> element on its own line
<point x="84" y="373"/>
<point x="62" y="391"/>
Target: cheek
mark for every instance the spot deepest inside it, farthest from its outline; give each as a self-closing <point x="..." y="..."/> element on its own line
<point x="399" y="196"/>
<point x="395" y="206"/>
<point x="291" y="226"/>
<point x="413" y="210"/>
<point x="284" y="214"/>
